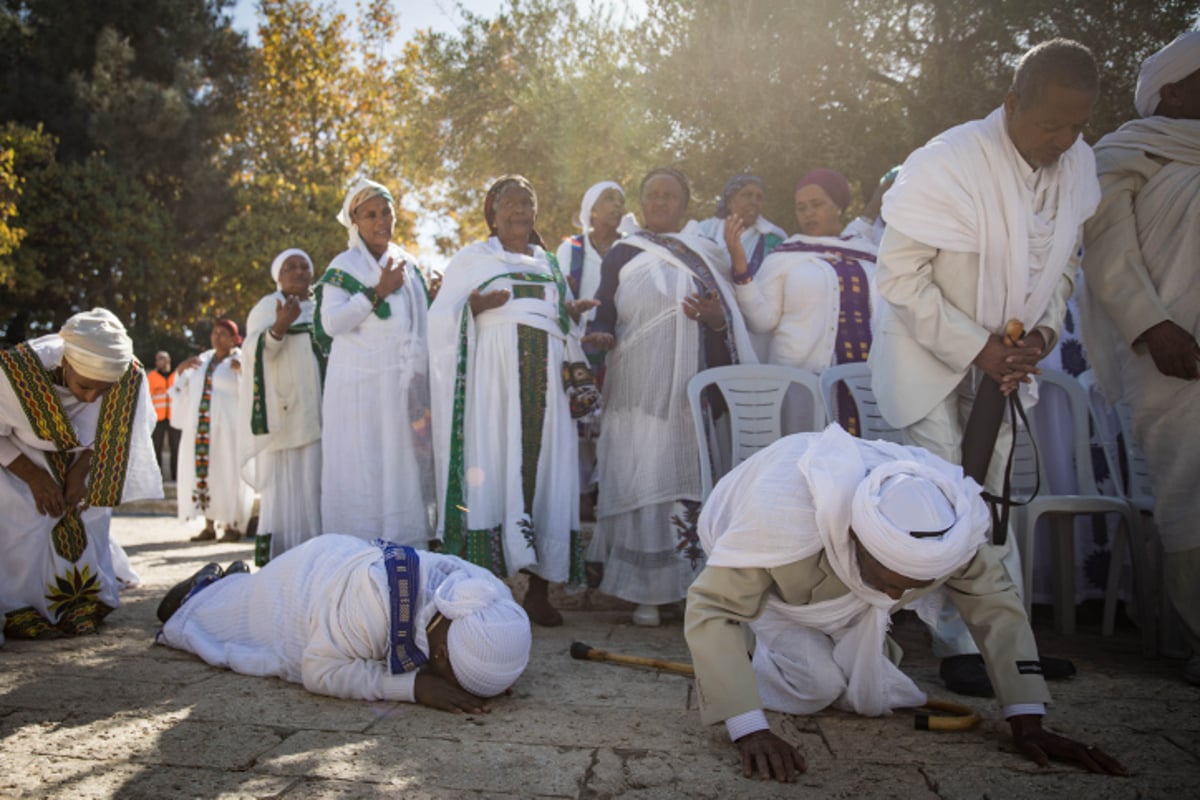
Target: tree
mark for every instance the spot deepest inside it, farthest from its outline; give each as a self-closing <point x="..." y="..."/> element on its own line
<point x="540" y="90"/>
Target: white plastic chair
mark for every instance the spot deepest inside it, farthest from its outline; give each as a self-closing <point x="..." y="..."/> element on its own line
<point x="754" y="394"/>
<point x="1064" y="507"/>
<point x="857" y="378"/>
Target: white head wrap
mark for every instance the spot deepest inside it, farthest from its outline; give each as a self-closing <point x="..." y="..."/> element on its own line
<point x="900" y="497"/>
<point x="584" y="220"/>
<point x="489" y="638"/>
<point x="1173" y="63"/>
<point x="277" y="264"/>
<point x="96" y="344"/>
<point x="360" y="191"/>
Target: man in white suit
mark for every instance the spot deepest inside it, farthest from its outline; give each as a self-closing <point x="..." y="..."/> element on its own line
<point x="983" y="226"/>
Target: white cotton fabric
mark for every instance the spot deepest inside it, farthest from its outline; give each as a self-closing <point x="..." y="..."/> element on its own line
<point x="318" y="615"/>
<point x="796" y="300"/>
<point x="589" y="279"/>
<point x="806" y="487"/>
<point x="584" y="220"/>
<point x="96" y="345"/>
<point x="28" y="562"/>
<point x="1172" y="63"/>
<point x="648" y="459"/>
<point x="492" y="452"/>
<point x="230" y="497"/>
<point x="377" y="469"/>
<point x="489" y="636"/>
<point x="969" y="191"/>
<point x="277" y="264"/>
<point x="284" y="464"/>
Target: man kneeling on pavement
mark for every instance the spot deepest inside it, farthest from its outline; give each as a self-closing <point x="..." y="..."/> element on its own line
<point x="814" y="543"/>
<point x="357" y="619"/>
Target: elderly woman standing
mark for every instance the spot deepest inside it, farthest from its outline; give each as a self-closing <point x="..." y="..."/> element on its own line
<point x="280" y="409"/>
<point x="667" y="313"/>
<point x="377" y="469"/>
<point x="504" y="438"/>
<point x="204" y="406"/>
<point x="75" y="425"/>
<point x="815" y="293"/>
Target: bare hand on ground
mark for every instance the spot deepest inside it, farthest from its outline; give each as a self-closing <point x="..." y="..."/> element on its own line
<point x="390" y="279"/>
<point x="577" y="308"/>
<point x="772" y="756"/>
<point x="705" y="309"/>
<point x="436" y="692"/>
<point x="1040" y="745"/>
<point x="487" y="300"/>
<point x="1173" y="349"/>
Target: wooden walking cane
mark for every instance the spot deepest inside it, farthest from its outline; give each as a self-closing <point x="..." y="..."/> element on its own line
<point x="960" y="717"/>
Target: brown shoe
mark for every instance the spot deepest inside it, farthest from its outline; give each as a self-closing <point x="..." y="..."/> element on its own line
<point x="231" y="535"/>
<point x="206" y="535"/>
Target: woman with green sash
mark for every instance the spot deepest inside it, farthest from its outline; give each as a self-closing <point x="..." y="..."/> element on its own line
<point x="376" y="464"/>
<point x="500" y="332"/>
<point x="75" y="425"/>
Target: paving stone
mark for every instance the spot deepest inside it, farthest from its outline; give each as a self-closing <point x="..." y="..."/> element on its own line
<point x="75" y="779"/>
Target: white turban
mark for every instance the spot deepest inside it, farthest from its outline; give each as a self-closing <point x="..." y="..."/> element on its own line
<point x="898" y="498"/>
<point x="360" y="192"/>
<point x="1173" y="63"/>
<point x="277" y="264"/>
<point x="584" y="220"/>
<point x="96" y="344"/>
<point x="489" y="636"/>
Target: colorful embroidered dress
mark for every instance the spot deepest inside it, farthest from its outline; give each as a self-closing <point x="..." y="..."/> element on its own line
<point x="57" y="573"/>
<point x="506" y="454"/>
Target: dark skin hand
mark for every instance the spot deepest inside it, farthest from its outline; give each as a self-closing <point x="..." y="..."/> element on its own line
<point x="773" y="757"/>
<point x="600" y="341"/>
<point x="437" y="692"/>
<point x="577" y="308"/>
<point x="287" y="311"/>
<point x="486" y="301"/>
<point x="1174" y="350"/>
<point x="704" y="308"/>
<point x="77" y="481"/>
<point x="1040" y="745"/>
<point x="47" y="495"/>
<point x="1011" y="365"/>
<point x="391" y="279"/>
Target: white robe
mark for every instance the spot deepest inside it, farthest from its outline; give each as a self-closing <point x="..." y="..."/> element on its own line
<point x="284" y="464"/>
<point x="28" y="563"/>
<point x="649" y="462"/>
<point x="376" y="470"/>
<point x="230" y="499"/>
<point x="318" y="615"/>
<point x="493" y="446"/>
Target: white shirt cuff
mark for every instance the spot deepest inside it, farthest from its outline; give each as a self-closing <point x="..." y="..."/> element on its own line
<point x="1018" y="709"/>
<point x="746" y="724"/>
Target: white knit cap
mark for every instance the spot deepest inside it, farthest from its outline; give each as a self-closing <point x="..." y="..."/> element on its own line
<point x="898" y="498"/>
<point x="489" y="636"/>
<point x="584" y="220"/>
<point x="96" y="344"/>
<point x="1173" y="63"/>
<point x="277" y="264"/>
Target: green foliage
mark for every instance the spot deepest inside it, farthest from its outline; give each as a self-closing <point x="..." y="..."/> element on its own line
<point x="28" y="148"/>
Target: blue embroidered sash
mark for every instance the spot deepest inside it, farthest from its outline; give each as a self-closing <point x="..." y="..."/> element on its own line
<point x="404" y="576"/>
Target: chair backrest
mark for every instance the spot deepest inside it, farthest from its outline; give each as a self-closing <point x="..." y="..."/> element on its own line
<point x="754" y="394"/>
<point x="857" y="377"/>
<point x="1029" y="470"/>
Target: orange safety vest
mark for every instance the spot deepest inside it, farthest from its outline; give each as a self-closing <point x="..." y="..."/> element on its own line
<point x="158" y="392"/>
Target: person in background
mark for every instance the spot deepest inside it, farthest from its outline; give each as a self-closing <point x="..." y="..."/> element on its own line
<point x="160" y="380"/>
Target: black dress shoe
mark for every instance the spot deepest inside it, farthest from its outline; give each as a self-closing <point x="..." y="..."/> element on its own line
<point x="237" y="567"/>
<point x="1056" y="669"/>
<point x="966" y="674"/>
<point x="170" y="604"/>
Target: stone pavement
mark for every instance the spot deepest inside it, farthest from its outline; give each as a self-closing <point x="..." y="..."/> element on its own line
<point x="115" y="715"/>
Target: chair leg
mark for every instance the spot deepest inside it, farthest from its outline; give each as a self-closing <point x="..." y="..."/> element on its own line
<point x="1138" y="555"/>
<point x="1064" y="568"/>
<point x="1116" y="560"/>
